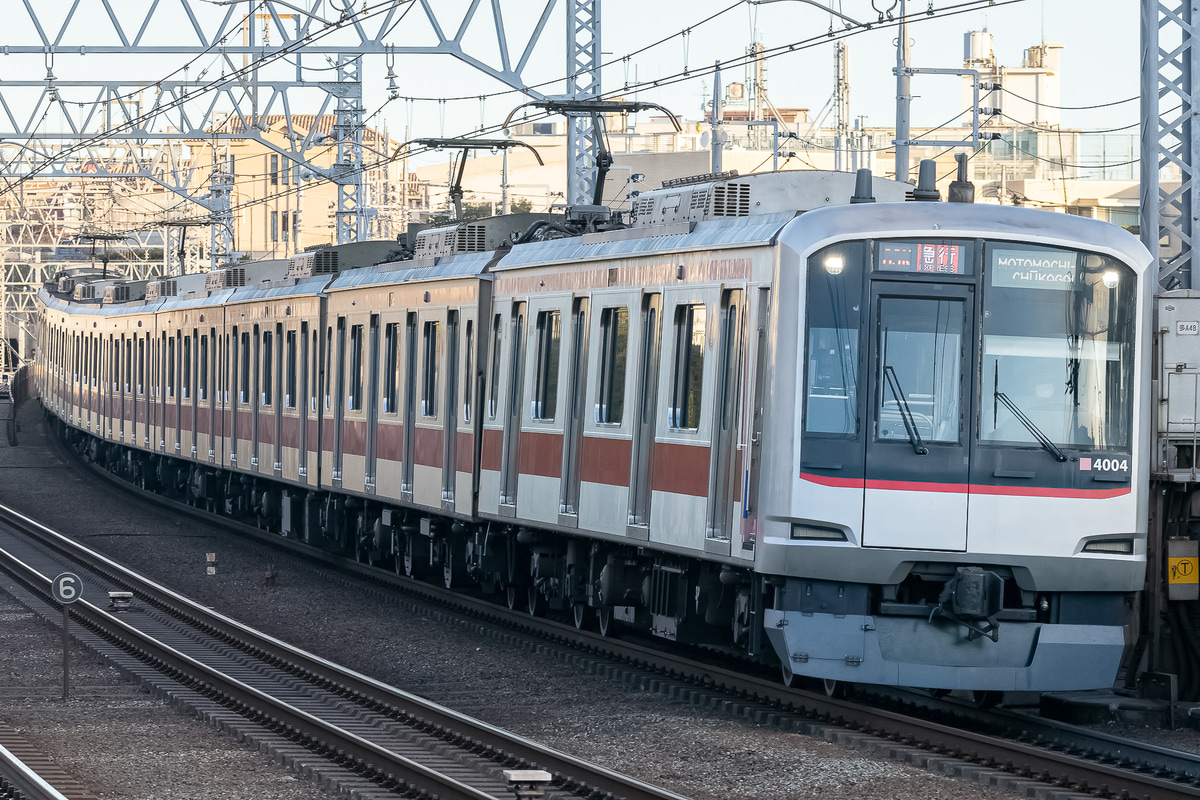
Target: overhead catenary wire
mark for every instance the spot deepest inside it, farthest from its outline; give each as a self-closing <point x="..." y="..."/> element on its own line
<point x="813" y="41"/>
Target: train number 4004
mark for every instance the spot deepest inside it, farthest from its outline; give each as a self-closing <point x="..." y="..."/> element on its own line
<point x="1105" y="464"/>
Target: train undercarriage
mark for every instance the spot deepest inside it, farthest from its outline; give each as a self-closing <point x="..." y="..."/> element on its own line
<point x="593" y="583"/>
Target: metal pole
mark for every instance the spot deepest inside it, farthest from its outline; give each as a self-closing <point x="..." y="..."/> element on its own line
<point x="903" y="97"/>
<point x="715" y="119"/>
<point x="1148" y="218"/>
<point x="504" y="181"/>
<point x="66" y="652"/>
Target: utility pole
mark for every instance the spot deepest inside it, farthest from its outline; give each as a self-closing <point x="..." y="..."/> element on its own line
<point x="903" y="97"/>
<point x="841" y="106"/>
<point x="715" y="119"/>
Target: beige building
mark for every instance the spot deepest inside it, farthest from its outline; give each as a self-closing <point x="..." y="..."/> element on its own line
<point x="282" y="207"/>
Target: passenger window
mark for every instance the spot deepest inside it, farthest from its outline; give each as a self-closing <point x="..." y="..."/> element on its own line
<point x="356" y="368"/>
<point x="244" y="387"/>
<point x="171" y="367"/>
<point x="328" y="359"/>
<point x="141" y="366"/>
<point x="834" y="317"/>
<point x="268" y="367"/>
<point x="202" y="389"/>
<point x="391" y="362"/>
<point x="187" y="367"/>
<point x="429" y="377"/>
<point x="688" y="377"/>
<point x="314" y="377"/>
<point x="469" y="372"/>
<point x="494" y="383"/>
<point x="614" y="342"/>
<point x="545" y="389"/>
<point x="290" y="387"/>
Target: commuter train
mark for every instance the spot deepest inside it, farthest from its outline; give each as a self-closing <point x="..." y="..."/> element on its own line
<point x="796" y="415"/>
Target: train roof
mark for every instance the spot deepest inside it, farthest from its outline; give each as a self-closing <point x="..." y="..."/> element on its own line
<point x="962" y="220"/>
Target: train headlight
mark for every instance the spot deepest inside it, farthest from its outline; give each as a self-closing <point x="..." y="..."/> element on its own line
<point x="1111" y="279"/>
<point x="834" y="265"/>
<point x="1113" y="546"/>
<point x="817" y="533"/>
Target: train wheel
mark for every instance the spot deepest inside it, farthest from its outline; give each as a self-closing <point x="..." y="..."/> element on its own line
<point x="985" y="699"/>
<point x="512" y="596"/>
<point x="362" y="549"/>
<point x="534" y="598"/>
<point x="400" y="554"/>
<point x="835" y="689"/>
<point x="410" y="563"/>
<point x="786" y="675"/>
<point x="604" y="620"/>
<point x="580" y="612"/>
<point x="454" y="563"/>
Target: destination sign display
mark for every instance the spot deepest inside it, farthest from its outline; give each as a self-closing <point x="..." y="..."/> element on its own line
<point x="1042" y="268"/>
<point x="928" y="257"/>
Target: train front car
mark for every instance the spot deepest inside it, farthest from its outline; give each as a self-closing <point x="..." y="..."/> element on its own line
<point x="965" y="500"/>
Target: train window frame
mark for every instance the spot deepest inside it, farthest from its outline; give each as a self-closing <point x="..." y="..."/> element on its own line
<point x="170" y="366"/>
<point x="202" y="383"/>
<point x="614" y="366"/>
<point x="328" y="372"/>
<point x="128" y="346"/>
<point x="268" y="368"/>
<point x="314" y="377"/>
<point x="391" y="368"/>
<point x="289" y="388"/>
<point x="494" y="383"/>
<point x="141" y="365"/>
<point x="684" y="412"/>
<point x="354" y="394"/>
<point x="244" y="369"/>
<point x="547" y="365"/>
<point x="468" y="379"/>
<point x="429" y="369"/>
<point x="186" y="365"/>
<point x="834" y="325"/>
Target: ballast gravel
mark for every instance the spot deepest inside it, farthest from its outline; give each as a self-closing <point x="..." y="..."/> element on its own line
<point x="120" y="743"/>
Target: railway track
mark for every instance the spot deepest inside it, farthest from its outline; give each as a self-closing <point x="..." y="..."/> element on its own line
<point x="324" y="719"/>
<point x="22" y="781"/>
<point x="1021" y="752"/>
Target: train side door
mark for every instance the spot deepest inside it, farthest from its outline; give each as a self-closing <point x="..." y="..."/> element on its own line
<point x="372" y="399"/>
<point x="645" y="415"/>
<point x="410" y="405"/>
<point x="568" y="510"/>
<point x="727" y="407"/>
<point x="917" y="452"/>
<point x="510" y="464"/>
<point x="450" y="418"/>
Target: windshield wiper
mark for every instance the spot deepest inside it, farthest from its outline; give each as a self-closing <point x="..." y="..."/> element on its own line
<point x="910" y="422"/>
<point x="1042" y="438"/>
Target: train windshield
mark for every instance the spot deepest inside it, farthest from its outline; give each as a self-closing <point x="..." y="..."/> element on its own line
<point x="1057" y="347"/>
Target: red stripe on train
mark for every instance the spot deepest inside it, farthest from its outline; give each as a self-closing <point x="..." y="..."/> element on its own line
<point x="964" y="488"/>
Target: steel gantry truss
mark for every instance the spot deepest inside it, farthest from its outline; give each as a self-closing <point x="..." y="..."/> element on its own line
<point x="246" y="59"/>
<point x="261" y="58"/>
<point x="1170" y="72"/>
<point x="583" y="83"/>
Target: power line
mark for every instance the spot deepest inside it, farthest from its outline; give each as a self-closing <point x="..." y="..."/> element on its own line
<point x="1070" y="108"/>
<point x="684" y="75"/>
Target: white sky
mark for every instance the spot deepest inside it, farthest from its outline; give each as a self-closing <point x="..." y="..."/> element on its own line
<point x="1099" y="59"/>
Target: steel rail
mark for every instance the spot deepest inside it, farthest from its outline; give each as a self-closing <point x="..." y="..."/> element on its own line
<point x="568" y="772"/>
<point x="20" y="781"/>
